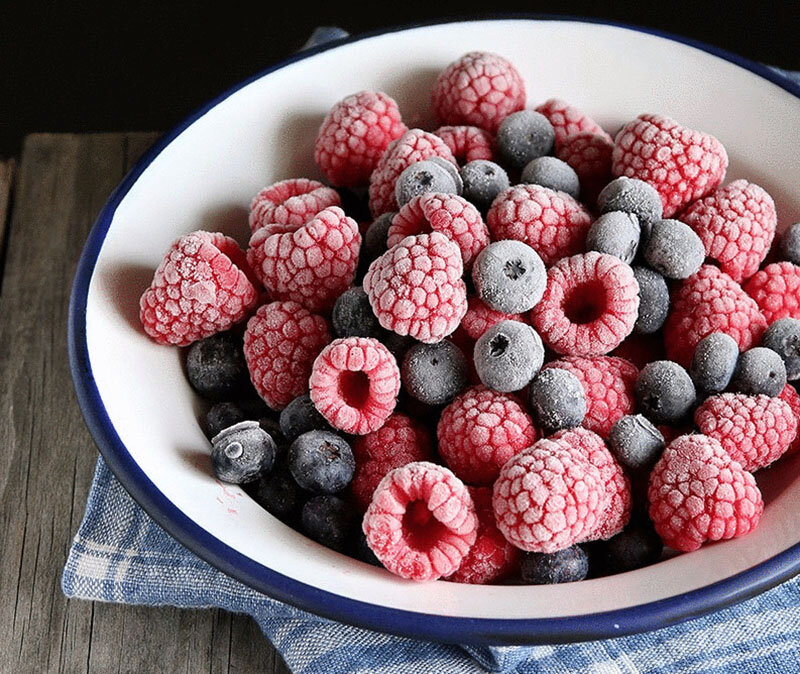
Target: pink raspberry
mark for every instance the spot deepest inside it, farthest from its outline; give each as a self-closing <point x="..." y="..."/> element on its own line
<point x="552" y="223"/>
<point x="416" y="288"/>
<point x="421" y="523"/>
<point x="399" y="441"/>
<point x="492" y="557"/>
<point x="353" y="136"/>
<point x="449" y="214"/>
<point x="290" y="202"/>
<point x="609" y="384"/>
<point x="589" y="154"/>
<point x="280" y="344"/>
<point x="354" y="384"/>
<point x="467" y="143"/>
<point x="311" y="265"/>
<point x="480" y="89"/>
<point x="480" y="317"/>
<point x="589" y="306"/>
<point x="736" y="224"/>
<point x="202" y="286"/>
<point x="776" y="290"/>
<point x="790" y="396"/>
<point x="590" y="446"/>
<point x="547" y="498"/>
<point x="480" y="430"/>
<point x="568" y="120"/>
<point x="710" y="301"/>
<point x="698" y="493"/>
<point x="754" y="430"/>
<point x="682" y="164"/>
<point x="413" y="146"/>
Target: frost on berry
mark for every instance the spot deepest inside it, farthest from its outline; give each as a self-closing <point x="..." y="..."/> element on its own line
<point x="480" y="317"/>
<point x="290" y="202"/>
<point x="776" y="290"/>
<point x="467" y="143"/>
<point x="589" y="154"/>
<point x="568" y="121"/>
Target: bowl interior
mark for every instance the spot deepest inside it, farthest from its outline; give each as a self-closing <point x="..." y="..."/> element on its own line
<point x="205" y="178"/>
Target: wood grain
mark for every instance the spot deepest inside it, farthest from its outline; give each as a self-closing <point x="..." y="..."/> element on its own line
<point x="48" y="456"/>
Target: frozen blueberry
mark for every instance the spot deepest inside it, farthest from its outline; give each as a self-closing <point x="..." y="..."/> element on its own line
<point x="321" y="462"/>
<point x="790" y="244"/>
<point x="553" y="173"/>
<point x="301" y="416"/>
<point x="630" y="195"/>
<point x="523" y="136"/>
<point x="483" y="181"/>
<point x="615" y="233"/>
<point x="673" y="249"/>
<point x="216" y="368"/>
<point x="783" y="337"/>
<point x="278" y="493"/>
<point x="635" y="441"/>
<point x="452" y="169"/>
<point x="364" y="552"/>
<point x="420" y="178"/>
<point x="714" y="361"/>
<point x="564" y="566"/>
<point x="509" y="276"/>
<point x="635" y="547"/>
<point x="653" y="301"/>
<point x="557" y="399"/>
<point x="759" y="371"/>
<point x="221" y="416"/>
<point x="331" y="521"/>
<point x="353" y="316"/>
<point x="665" y="391"/>
<point x="375" y="237"/>
<point x="434" y="373"/>
<point x="508" y="355"/>
<point x="242" y="453"/>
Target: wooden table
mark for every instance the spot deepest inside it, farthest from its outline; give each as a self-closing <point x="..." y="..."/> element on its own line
<point x="48" y="202"/>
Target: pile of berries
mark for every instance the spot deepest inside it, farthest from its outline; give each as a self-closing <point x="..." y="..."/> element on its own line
<point x="549" y="354"/>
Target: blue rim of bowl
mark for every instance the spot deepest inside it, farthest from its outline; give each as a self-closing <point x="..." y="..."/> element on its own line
<point x="489" y="631"/>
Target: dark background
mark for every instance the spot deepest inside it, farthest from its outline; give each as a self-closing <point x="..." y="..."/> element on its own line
<point x="83" y="66"/>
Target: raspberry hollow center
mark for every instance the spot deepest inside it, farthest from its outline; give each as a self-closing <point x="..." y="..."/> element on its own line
<point x="421" y="529"/>
<point x="585" y="303"/>
<point x="354" y="388"/>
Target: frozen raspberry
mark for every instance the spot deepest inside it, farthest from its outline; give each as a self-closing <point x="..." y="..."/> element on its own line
<point x="492" y="557"/>
<point x="416" y="288"/>
<point x="480" y="317"/>
<point x="589" y="154"/>
<point x="413" y="146"/>
<point x="291" y="202"/>
<point x="547" y="498"/>
<point x="202" y="286"/>
<point x="481" y="430"/>
<point x="467" y="143"/>
<point x="609" y="384"/>
<point x="399" y="441"/>
<point x="754" y="430"/>
<point x="552" y="223"/>
<point x="736" y="224"/>
<point x="698" y="493"/>
<point x="776" y="290"/>
<point x="710" y="301"/>
<point x="589" y="306"/>
<point x="682" y="164"/>
<point x="568" y="121"/>
<point x="354" y="384"/>
<point x="449" y="214"/>
<point x="421" y="522"/>
<point x="480" y="89"/>
<point x="589" y="445"/>
<point x="354" y="135"/>
<point x="790" y="396"/>
<point x="280" y="344"/>
<point x="311" y="265"/>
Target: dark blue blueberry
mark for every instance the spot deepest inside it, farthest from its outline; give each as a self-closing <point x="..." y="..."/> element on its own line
<point x="557" y="399"/>
<point x="564" y="566"/>
<point x="790" y="244"/>
<point x="508" y="355"/>
<point x="353" y="316"/>
<point x="653" y="301"/>
<point x="423" y="177"/>
<point x="673" y="249"/>
<point x="221" y="416"/>
<point x="635" y="441"/>
<point x="635" y="547"/>
<point x="321" y="462"/>
<point x="523" y="136"/>
<point x="375" y="237"/>
<point x="552" y="173"/>
<point x="509" y="276"/>
<point x="301" y="416"/>
<point x="665" y="392"/>
<point x="714" y="361"/>
<point x="278" y="493"/>
<point x="452" y="169"/>
<point x="331" y="521"/>
<point x="759" y="371"/>
<point x="434" y="373"/>
<point x="242" y="453"/>
<point x="615" y="233"/>
<point x="630" y="195"/>
<point x="783" y="337"/>
<point x="483" y="181"/>
<point x="364" y="553"/>
<point x="216" y="369"/>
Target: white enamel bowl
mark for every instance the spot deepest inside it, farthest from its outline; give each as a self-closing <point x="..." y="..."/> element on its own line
<point x="203" y="174"/>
